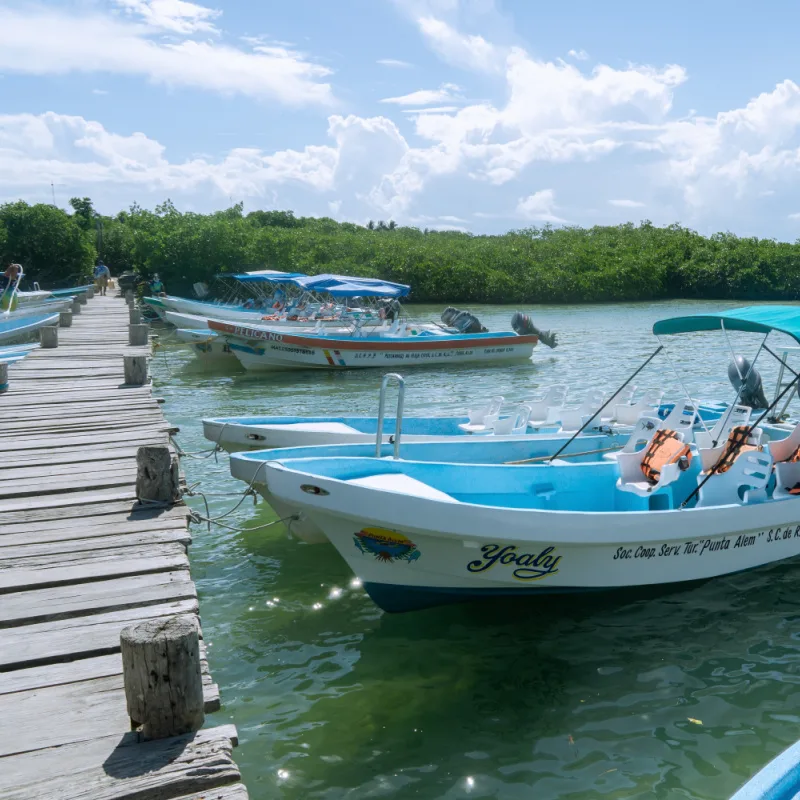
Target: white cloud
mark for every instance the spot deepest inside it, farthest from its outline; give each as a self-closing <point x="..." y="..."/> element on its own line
<point x="422" y="97"/>
<point x="626" y="203"/>
<point x="539" y="207"/>
<point x="434" y="110"/>
<point x="394" y="62"/>
<point x="83" y="156"/>
<point x="460" y="49"/>
<point x="46" y="41"/>
<point x="175" y="16"/>
<point x="794" y="216"/>
<point x="578" y="55"/>
<point x="100" y="91"/>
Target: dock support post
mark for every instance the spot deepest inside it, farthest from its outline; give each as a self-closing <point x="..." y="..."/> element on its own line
<point x="137" y="335"/>
<point x="48" y="336"/>
<point x="135" y="370"/>
<point x="90" y="293"/>
<point x="157" y="475"/>
<point x="76" y="306"/>
<point x="129" y="297"/>
<point x="134" y="316"/>
<point x="83" y="299"/>
<point x="161" y="673"/>
<point x="65" y="319"/>
<point x="3" y="378"/>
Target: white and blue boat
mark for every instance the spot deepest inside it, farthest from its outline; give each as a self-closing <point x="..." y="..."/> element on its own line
<point x="17" y="328"/>
<point x="679" y="509"/>
<point x="778" y="780"/>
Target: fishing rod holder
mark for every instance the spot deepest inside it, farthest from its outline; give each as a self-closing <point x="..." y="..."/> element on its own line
<point x="398" y="425"/>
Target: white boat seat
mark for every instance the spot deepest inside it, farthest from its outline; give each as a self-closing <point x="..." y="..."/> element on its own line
<point x="643" y="431"/>
<point x="319" y="427"/>
<point x="738" y="415"/>
<point x="745" y="482"/>
<point x="627" y="414"/>
<point x="710" y="456"/>
<point x="573" y="418"/>
<point x="787" y="477"/>
<point x="623" y="397"/>
<point x="682" y="419"/>
<point x="546" y="408"/>
<point x="783" y="449"/>
<point x="481" y="420"/>
<point x="400" y="483"/>
<point x="632" y="478"/>
<point x="515" y="424"/>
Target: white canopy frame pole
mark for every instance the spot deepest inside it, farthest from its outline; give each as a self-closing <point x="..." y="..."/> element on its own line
<point x="683" y="386"/>
<point x="742" y="378"/>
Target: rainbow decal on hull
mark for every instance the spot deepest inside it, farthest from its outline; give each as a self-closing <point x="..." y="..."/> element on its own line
<point x="329" y="357"/>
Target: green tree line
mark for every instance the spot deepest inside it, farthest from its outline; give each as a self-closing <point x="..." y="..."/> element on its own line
<point x="529" y="265"/>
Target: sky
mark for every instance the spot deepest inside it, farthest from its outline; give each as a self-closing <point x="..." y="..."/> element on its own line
<point x="479" y="115"/>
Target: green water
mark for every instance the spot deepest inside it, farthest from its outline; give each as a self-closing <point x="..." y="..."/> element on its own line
<point x="679" y="695"/>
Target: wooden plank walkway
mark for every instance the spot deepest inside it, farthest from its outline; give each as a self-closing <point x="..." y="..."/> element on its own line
<point x="79" y="561"/>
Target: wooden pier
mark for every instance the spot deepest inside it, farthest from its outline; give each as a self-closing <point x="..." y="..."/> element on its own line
<point x="81" y="559"/>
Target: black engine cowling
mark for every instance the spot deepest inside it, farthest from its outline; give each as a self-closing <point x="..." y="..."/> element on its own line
<point x="752" y="393"/>
<point x="523" y="325"/>
<point x="462" y="321"/>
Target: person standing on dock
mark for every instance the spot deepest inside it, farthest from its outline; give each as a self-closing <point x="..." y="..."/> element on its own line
<point x="101" y="277"/>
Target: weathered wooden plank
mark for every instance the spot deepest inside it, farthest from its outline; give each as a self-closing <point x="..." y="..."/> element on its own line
<point x="77" y="637"/>
<point x="86" y="669"/>
<point x="82" y="544"/>
<point x="127" y="436"/>
<point x="103" y="517"/>
<point x="87" y="453"/>
<point x="11" y="473"/>
<point x="117" y="768"/>
<point x="62" y="602"/>
<point x="64" y="483"/>
<point x="67" y="499"/>
<point x="78" y="711"/>
<point x="40" y="572"/>
<point x="97" y="508"/>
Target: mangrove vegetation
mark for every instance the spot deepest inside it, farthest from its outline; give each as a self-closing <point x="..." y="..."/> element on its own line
<point x="528" y="265"/>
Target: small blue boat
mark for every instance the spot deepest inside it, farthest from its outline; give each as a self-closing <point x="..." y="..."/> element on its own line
<point x="12" y="328"/>
<point x="778" y="780"/>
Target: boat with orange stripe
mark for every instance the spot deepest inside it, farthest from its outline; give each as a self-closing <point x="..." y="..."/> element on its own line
<point x="400" y="344"/>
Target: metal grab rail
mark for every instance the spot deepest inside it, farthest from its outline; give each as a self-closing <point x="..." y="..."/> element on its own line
<point x="398" y="425"/>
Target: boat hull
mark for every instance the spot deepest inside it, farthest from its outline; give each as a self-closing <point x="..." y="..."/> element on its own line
<point x="262" y="349"/>
<point x="415" y="551"/>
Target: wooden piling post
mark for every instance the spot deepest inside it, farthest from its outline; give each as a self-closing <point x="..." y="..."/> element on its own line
<point x="65" y="319"/>
<point x="48" y="336"/>
<point x="90" y="293"/>
<point x="3" y="378"/>
<point x="83" y="299"/>
<point x="135" y="370"/>
<point x="137" y="335"/>
<point x="76" y="306"/>
<point x="161" y="673"/>
<point x="134" y="316"/>
<point x="157" y="475"/>
<point x="129" y="297"/>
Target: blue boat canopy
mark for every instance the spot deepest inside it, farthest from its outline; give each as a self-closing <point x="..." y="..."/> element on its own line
<point x="347" y="286"/>
<point x="268" y="276"/>
<point x="756" y="319"/>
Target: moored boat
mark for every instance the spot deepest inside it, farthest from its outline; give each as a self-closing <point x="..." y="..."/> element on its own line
<point x="673" y="511"/>
<point x="14" y="328"/>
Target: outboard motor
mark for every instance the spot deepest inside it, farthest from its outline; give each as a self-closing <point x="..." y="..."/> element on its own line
<point x="523" y="325"/>
<point x="462" y="321"/>
<point x="752" y="393"/>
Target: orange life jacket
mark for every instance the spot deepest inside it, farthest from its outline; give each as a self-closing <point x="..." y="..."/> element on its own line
<point x="734" y="447"/>
<point x="664" y="448"/>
